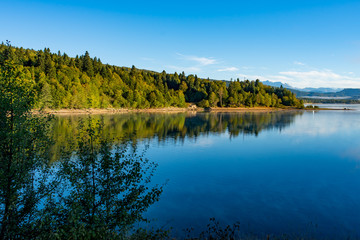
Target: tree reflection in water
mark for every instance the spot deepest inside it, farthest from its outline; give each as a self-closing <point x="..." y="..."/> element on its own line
<point x="146" y="126"/>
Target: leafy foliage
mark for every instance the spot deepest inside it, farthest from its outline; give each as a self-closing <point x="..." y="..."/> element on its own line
<point x="97" y="191"/>
<point x="216" y="231"/>
<point x="85" y="82"/>
<point x="105" y="188"/>
<point x="24" y="176"/>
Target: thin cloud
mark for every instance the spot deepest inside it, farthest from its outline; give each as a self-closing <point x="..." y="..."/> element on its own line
<point x="279" y="77"/>
<point x="315" y="78"/>
<point x="200" y="60"/>
<point x="251" y="77"/>
<point x="228" y="69"/>
<point x="246" y="67"/>
<point x="299" y="63"/>
<point x="313" y="74"/>
<point x="320" y="78"/>
<point x="147" y="59"/>
<point x="185" y="69"/>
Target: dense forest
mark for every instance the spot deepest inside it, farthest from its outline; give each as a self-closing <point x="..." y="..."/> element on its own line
<point x="84" y="82"/>
<point x="332" y="100"/>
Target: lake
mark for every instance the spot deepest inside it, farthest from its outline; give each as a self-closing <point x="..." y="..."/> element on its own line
<point x="285" y="172"/>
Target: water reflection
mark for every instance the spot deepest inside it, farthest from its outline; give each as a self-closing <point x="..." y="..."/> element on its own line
<point x="176" y="126"/>
<point x="273" y="183"/>
<point x="146" y="126"/>
<point x="142" y="126"/>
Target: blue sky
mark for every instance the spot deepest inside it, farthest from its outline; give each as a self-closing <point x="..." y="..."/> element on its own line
<point x="303" y="43"/>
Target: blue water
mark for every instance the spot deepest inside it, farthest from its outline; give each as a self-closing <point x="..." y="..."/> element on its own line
<point x="299" y="177"/>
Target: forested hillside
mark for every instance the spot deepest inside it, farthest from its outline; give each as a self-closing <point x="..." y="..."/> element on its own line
<point x="84" y="82"/>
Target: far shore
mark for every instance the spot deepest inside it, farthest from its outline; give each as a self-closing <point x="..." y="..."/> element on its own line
<point x="175" y="110"/>
<point x="172" y="110"/>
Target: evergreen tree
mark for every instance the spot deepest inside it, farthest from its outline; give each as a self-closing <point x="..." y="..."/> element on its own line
<point x="88" y="65"/>
<point x="76" y="81"/>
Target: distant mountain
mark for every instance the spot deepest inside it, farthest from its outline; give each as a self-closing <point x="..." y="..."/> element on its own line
<point x="307" y="89"/>
<point x="319" y="93"/>
<point x="347" y="93"/>
<point x="321" y="90"/>
<point x="276" y="84"/>
<point x="352" y="92"/>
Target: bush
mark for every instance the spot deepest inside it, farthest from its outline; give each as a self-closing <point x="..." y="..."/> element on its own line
<point x="203" y="103"/>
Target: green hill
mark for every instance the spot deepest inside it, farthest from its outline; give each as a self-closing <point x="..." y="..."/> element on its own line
<point x="84" y="82"/>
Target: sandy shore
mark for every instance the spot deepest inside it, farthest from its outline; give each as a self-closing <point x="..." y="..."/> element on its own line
<point x="162" y="110"/>
<point x="175" y="110"/>
<point x="111" y="110"/>
<point x="249" y="109"/>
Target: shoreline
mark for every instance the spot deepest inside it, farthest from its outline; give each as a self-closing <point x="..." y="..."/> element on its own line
<point x="161" y="110"/>
<point x="174" y="110"/>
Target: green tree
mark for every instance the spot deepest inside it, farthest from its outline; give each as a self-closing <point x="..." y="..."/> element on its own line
<point x="45" y="97"/>
<point x="106" y="188"/>
<point x="88" y="65"/>
<point x="213" y="100"/>
<point x="62" y="73"/>
<point x="221" y="94"/>
<point x="23" y="142"/>
<point x="183" y="86"/>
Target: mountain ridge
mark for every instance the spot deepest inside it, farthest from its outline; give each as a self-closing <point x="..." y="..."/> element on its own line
<point x="331" y="93"/>
<point x="306" y="89"/>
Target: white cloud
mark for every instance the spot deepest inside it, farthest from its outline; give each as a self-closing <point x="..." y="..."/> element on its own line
<point x="203" y="60"/>
<point x="312" y="74"/>
<point x="251" y="77"/>
<point x="280" y="78"/>
<point x="200" y="60"/>
<point x="299" y="63"/>
<point x="314" y="78"/>
<point x="185" y="69"/>
<point x="320" y="78"/>
<point x="228" y="69"/>
<point x="246" y="67"/>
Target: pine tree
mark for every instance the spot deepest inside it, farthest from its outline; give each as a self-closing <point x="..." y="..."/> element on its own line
<point x="88" y="65"/>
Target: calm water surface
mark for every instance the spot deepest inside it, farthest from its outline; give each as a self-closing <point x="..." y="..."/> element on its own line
<point x="279" y="173"/>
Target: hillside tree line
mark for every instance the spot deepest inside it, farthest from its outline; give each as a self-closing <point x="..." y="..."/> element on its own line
<point x="84" y="82"/>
